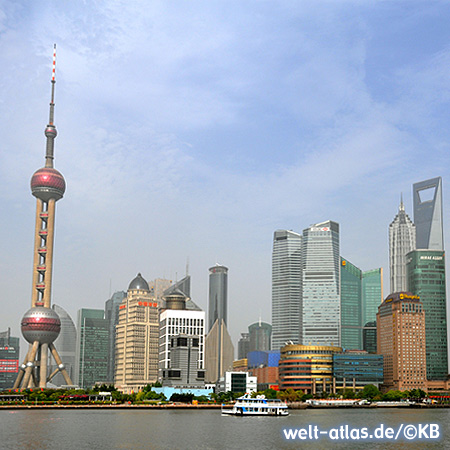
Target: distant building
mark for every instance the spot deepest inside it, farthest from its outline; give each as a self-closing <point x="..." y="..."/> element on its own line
<point x="243" y="345"/>
<point x="428" y="214"/>
<point x="218" y="295"/>
<point x="372" y="297"/>
<point x="9" y="359"/>
<point x="402" y="239"/>
<point x="219" y="352"/>
<point x="260" y="334"/>
<point x="67" y="344"/>
<point x="236" y="382"/>
<point x="426" y="279"/>
<point x="92" y="348"/>
<point x="321" y="298"/>
<point x="355" y="369"/>
<point x="158" y="289"/>
<point x="184" y="285"/>
<point x="240" y="365"/>
<point x="137" y="336"/>
<point x="112" y="317"/>
<point x="402" y="341"/>
<point x="286" y="288"/>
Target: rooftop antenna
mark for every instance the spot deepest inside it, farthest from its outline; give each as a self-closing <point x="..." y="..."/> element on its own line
<point x="187" y="266"/>
<point x="50" y="131"/>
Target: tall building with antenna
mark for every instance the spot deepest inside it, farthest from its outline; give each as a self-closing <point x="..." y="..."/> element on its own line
<point x="41" y="325"/>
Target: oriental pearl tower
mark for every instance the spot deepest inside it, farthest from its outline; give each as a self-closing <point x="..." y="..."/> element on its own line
<point x="41" y="324"/>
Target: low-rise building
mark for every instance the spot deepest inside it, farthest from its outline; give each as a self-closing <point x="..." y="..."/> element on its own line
<point x="236" y="382"/>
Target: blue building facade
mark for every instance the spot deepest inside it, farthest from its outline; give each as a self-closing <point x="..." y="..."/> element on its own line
<point x="356" y="369"/>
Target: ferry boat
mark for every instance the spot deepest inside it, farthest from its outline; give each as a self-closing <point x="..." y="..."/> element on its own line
<point x="257" y="406"/>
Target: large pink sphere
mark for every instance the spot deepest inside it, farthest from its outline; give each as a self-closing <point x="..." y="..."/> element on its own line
<point x="47" y="183"/>
<point x="41" y="324"/>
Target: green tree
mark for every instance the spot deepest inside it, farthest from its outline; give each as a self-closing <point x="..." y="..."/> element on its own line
<point x="369" y="392"/>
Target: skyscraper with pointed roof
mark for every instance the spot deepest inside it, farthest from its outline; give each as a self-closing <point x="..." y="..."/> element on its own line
<point x="402" y="239"/>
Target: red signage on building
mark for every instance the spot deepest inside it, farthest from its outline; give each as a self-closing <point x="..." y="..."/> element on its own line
<point x="9" y="365"/>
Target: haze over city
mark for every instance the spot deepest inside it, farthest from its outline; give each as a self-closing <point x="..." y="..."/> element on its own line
<point x="191" y="132"/>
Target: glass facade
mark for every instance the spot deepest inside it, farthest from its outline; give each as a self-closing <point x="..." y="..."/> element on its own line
<point x="351" y="306"/>
<point x="286" y="288"/>
<point x="321" y="309"/>
<point x="362" y="367"/>
<point x="9" y="359"/>
<point x="426" y="278"/>
<point x="92" y="347"/>
<point x="372" y="297"/>
<point x="260" y="334"/>
<point x="218" y="291"/>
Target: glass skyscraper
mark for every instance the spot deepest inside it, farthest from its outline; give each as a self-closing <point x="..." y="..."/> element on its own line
<point x="286" y="288"/>
<point x="321" y="298"/>
<point x="372" y="297"/>
<point x="426" y="278"/>
<point x="402" y="239"/>
<point x="428" y="214"/>
<point x="218" y="292"/>
<point x="9" y="359"/>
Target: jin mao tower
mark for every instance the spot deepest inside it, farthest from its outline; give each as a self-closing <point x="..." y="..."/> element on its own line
<point x="41" y="325"/>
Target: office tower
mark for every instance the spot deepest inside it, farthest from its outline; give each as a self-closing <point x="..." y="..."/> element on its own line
<point x="402" y="239"/>
<point x="260" y="335"/>
<point x="67" y="345"/>
<point x="41" y="325"/>
<point x="428" y="214"/>
<point x="401" y="341"/>
<point x="426" y="278"/>
<point x="9" y="359"/>
<point x="351" y="306"/>
<point x="286" y="288"/>
<point x="218" y="291"/>
<point x="178" y="321"/>
<point x="184" y="285"/>
<point x="92" y="348"/>
<point x="137" y="335"/>
<point x="112" y="317"/>
<point x="158" y="288"/>
<point x="372" y="297"/>
<point x="243" y="345"/>
<point x="321" y="314"/>
<point x="219" y="351"/>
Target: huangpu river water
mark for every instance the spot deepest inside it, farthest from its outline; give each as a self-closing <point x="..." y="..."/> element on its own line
<point x="59" y="429"/>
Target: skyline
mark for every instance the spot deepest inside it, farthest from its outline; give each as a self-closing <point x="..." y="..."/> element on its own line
<point x="196" y="131"/>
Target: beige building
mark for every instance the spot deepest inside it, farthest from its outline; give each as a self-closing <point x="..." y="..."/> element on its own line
<point x="219" y="352"/>
<point x="137" y="335"/>
<point x="401" y="341"/>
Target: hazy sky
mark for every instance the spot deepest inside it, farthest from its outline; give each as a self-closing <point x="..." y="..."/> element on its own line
<point x="196" y="129"/>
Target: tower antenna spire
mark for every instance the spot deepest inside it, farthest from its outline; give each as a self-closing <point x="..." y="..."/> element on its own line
<point x="50" y="131"/>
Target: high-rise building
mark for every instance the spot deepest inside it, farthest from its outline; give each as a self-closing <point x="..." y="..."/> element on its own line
<point x="40" y="324"/>
<point x="219" y="352"/>
<point x="67" y="344"/>
<point x="321" y="297"/>
<point x="184" y="285"/>
<point x="175" y="321"/>
<point x="426" y="279"/>
<point x="137" y="336"/>
<point x="92" y="348"/>
<point x="243" y="345"/>
<point x="218" y="295"/>
<point x="402" y="239"/>
<point x="9" y="359"/>
<point x="158" y="288"/>
<point x="401" y="341"/>
<point x="372" y="297"/>
<point x="112" y="317"/>
<point x="260" y="334"/>
<point x="286" y="288"/>
<point x="351" y="306"/>
<point x="428" y="214"/>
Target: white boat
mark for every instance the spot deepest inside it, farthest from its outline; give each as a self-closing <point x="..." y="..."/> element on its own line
<point x="257" y="406"/>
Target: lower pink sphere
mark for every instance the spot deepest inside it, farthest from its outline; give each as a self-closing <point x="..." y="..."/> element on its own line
<point x="40" y="324"/>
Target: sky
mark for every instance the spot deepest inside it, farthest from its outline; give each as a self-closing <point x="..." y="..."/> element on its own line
<point x="188" y="132"/>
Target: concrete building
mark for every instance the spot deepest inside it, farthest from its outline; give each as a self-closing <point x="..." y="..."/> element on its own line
<point x="236" y="382"/>
<point x="402" y="239"/>
<point x="218" y="295"/>
<point x="137" y="336"/>
<point x="9" y="359"/>
<point x="307" y="367"/>
<point x="286" y="288"/>
<point x="321" y="297"/>
<point x="260" y="334"/>
<point x="219" y="352"/>
<point x="92" y="348"/>
<point x="112" y="317"/>
<point x="402" y="341"/>
<point x="243" y="345"/>
<point x="428" y="214"/>
<point x="67" y="345"/>
<point x="426" y="279"/>
<point x="175" y="321"/>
